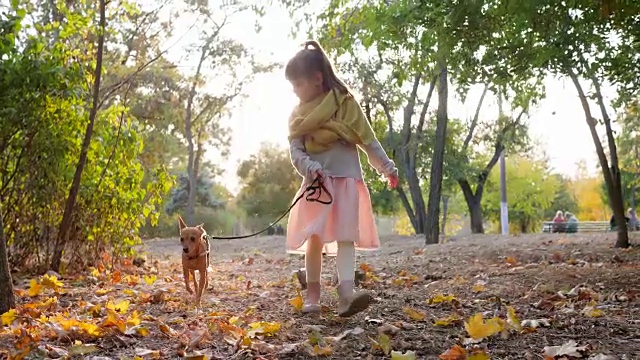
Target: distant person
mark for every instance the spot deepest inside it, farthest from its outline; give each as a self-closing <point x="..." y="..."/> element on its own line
<point x="613" y="225"/>
<point x="633" y="223"/>
<point x="558" y="222"/>
<point x="572" y="222"/>
<point x="325" y="130"/>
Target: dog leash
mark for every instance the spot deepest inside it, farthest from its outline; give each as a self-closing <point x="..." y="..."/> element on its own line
<point x="311" y="193"/>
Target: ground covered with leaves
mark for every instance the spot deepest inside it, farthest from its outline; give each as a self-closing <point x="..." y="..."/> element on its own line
<point x="526" y="297"/>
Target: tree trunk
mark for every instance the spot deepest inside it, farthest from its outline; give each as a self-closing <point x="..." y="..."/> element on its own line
<point x="407" y="207"/>
<point x="473" y="201"/>
<point x="188" y="133"/>
<point x="418" y="202"/>
<point x="611" y="174"/>
<point x="7" y="299"/>
<point x="65" y="224"/>
<point x="435" y="179"/>
<point x="445" y="209"/>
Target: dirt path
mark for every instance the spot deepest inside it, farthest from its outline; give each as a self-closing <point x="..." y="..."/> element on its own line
<point x="532" y="273"/>
<point x="560" y="289"/>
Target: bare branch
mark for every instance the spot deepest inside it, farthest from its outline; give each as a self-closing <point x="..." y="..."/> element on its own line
<point x="474" y="122"/>
<point x="409" y="110"/>
<point x="425" y="106"/>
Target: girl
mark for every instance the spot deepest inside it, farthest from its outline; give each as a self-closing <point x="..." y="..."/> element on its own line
<point x="324" y="130"/>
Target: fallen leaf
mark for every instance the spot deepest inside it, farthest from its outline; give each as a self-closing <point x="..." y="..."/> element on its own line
<point x="456" y="352"/>
<point x="478" y="328"/>
<point x="536" y="323"/>
<point x="511" y="260"/>
<point x="478" y="287"/>
<point x="150" y="279"/>
<point x="297" y="302"/>
<point x="478" y="355"/>
<point x="34" y="288"/>
<point x="449" y="320"/>
<point x="591" y="311"/>
<point x="569" y="348"/>
<point x="195" y="357"/>
<point x="50" y="281"/>
<point x="513" y="319"/>
<point x="383" y="343"/>
<point x="9" y="317"/>
<point x="82" y="349"/>
<point x="414" y="314"/>
<point x="440" y="298"/>
<point x="602" y="357"/>
<point x="167" y="330"/>
<point x="147" y="354"/>
<point x="121" y="306"/>
<point x="409" y="355"/>
<point x="264" y="328"/>
<point x="322" y="350"/>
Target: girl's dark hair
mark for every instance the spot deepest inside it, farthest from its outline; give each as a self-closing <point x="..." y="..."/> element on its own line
<point x="312" y="58"/>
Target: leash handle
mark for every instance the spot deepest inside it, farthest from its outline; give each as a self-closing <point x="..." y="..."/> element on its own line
<point x="311" y="193"/>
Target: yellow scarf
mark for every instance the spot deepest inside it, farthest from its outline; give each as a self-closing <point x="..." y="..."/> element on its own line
<point x="323" y="121"/>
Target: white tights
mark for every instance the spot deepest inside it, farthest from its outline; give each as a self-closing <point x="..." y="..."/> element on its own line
<point x="345" y="260"/>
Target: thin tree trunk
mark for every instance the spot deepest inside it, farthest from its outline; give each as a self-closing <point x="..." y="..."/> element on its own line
<point x="65" y="224"/>
<point x="435" y="179"/>
<point x="615" y="192"/>
<point x="445" y="210"/>
<point x="7" y="299"/>
<point x="407" y="207"/>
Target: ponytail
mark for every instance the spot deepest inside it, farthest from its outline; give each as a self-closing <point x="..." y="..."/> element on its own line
<point x="312" y="58"/>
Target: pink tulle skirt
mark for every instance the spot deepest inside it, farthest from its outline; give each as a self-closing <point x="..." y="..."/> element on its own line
<point x="348" y="218"/>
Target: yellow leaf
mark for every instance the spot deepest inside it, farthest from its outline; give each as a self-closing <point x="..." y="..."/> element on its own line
<point x="101" y="292"/>
<point x="195" y="357"/>
<point x="480" y="355"/>
<point x="47" y="304"/>
<point x="440" y="298"/>
<point x="131" y="280"/>
<point x="322" y="350"/>
<point x="234" y="320"/>
<point x="409" y="355"/>
<point x="246" y="342"/>
<point x="34" y="288"/>
<point x="90" y="329"/>
<point x="147" y="354"/>
<point x="121" y="306"/>
<point x="113" y="319"/>
<point x="414" y="314"/>
<point x="479" y="329"/>
<point x="50" y="281"/>
<point x="478" y="287"/>
<point x="591" y="311"/>
<point x="134" y="319"/>
<point x="297" y="302"/>
<point x="150" y="279"/>
<point x="383" y="343"/>
<point x="129" y="292"/>
<point x="9" y="317"/>
<point x="513" y="319"/>
<point x="449" y="320"/>
<point x="511" y="260"/>
<point x="95" y="273"/>
<point x="264" y="328"/>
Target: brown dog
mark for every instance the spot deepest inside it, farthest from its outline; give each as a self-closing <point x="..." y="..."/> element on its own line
<point x="195" y="256"/>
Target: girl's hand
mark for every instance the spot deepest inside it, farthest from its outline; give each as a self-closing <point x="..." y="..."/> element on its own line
<point x="392" y="180"/>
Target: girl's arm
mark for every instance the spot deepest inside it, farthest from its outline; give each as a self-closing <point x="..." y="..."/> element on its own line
<point x="301" y="160"/>
<point x="378" y="159"/>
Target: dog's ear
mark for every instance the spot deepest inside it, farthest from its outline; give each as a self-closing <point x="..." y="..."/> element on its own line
<point x="200" y="227"/>
<point x="181" y="223"/>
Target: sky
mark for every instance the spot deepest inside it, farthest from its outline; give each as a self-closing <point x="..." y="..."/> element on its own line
<point x="557" y="123"/>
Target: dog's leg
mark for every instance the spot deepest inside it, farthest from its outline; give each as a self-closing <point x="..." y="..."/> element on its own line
<point x="203" y="284"/>
<point x="195" y="281"/>
<point x="186" y="280"/>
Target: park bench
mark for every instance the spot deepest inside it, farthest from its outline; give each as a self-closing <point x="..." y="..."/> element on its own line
<point x="582" y="226"/>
